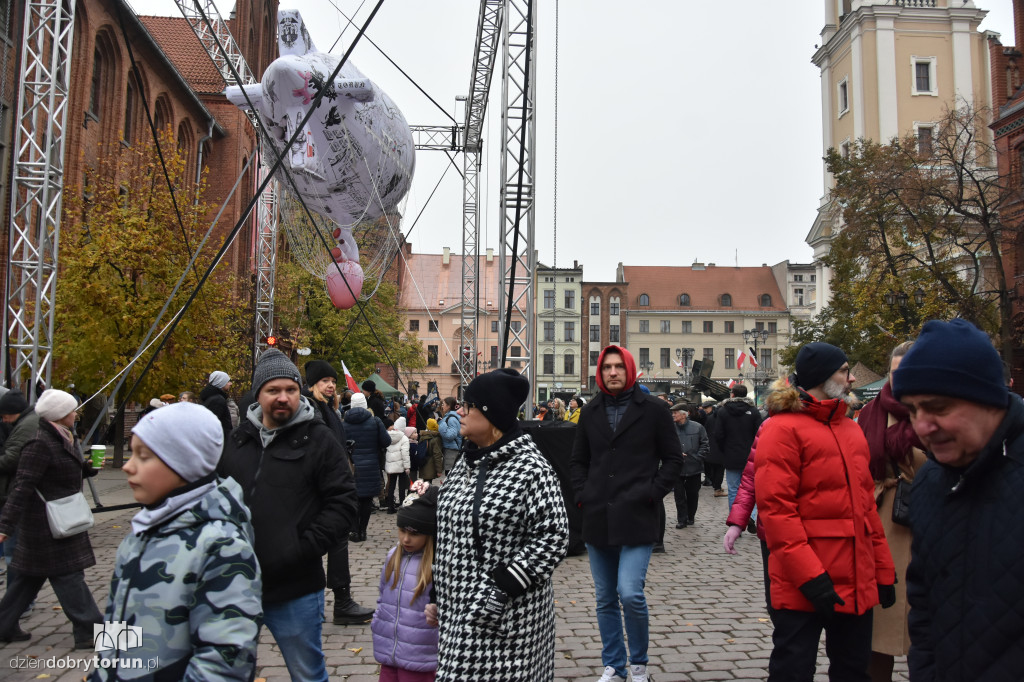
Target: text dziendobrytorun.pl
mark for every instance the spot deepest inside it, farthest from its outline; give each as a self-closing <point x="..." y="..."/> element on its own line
<point x="72" y="663"/>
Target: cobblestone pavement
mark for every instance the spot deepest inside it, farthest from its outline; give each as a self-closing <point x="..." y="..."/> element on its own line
<point x="708" y="620"/>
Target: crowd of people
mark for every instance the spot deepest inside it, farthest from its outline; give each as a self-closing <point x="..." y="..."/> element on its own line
<point x="894" y="533"/>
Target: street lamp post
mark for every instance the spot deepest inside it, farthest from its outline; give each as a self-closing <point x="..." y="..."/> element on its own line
<point x="684" y="356"/>
<point x="754" y="335"/>
<point x="901" y="300"/>
<point x="647" y="367"/>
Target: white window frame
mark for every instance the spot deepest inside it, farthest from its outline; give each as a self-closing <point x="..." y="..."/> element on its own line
<point x="932" y="76"/>
<point x="845" y="148"/>
<point x="926" y="124"/>
<point x="841" y="87"/>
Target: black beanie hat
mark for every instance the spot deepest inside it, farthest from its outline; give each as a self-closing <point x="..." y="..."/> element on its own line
<point x="317" y="370"/>
<point x="499" y="395"/>
<point x="954" y="359"/>
<point x="420" y="513"/>
<point x="13" y="402"/>
<point x="369" y="386"/>
<point x="816" y="362"/>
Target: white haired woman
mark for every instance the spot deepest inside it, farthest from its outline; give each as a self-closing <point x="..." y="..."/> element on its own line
<point x="52" y="464"/>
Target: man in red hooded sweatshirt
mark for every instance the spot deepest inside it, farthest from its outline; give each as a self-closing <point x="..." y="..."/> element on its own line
<point x="625" y="459"/>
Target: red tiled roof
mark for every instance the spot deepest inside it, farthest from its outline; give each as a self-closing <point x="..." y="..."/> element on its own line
<point x="179" y="43"/>
<point x="705" y="286"/>
<point x="435" y="282"/>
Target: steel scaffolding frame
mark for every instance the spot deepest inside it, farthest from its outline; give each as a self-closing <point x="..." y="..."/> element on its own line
<point x="517" y="178"/>
<point x="215" y="37"/>
<point x="37" y="193"/>
<point x="488" y="33"/>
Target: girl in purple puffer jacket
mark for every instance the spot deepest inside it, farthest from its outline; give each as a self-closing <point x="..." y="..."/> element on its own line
<point x="404" y="643"/>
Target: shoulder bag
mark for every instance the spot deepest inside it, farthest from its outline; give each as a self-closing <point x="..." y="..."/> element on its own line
<point x="67" y="516"/>
<point x="901" y="502"/>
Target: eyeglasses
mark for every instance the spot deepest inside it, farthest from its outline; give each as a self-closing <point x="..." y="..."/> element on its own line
<point x="469" y="405"/>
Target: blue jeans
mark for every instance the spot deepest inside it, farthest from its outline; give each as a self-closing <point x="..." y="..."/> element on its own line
<point x="733" y="477"/>
<point x="296" y="626"/>
<point x="619" y="577"/>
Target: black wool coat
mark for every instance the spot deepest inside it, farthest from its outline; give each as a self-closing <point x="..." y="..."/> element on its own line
<point x="965" y="583"/>
<point x="736" y="423"/>
<point x="216" y="400"/>
<point x="55" y="467"/>
<point x="620" y="478"/>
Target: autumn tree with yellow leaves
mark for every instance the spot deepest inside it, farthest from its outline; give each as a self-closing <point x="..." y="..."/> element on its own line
<point x="122" y="250"/>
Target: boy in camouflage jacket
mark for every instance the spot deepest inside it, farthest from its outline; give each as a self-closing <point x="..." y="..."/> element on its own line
<point x="187" y="575"/>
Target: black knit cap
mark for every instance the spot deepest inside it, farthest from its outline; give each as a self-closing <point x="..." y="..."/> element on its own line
<point x="954" y="359"/>
<point x="420" y="513"/>
<point x="13" y="402"/>
<point x="499" y="395"/>
<point x="369" y="386"/>
<point x="317" y="370"/>
<point x="816" y="362"/>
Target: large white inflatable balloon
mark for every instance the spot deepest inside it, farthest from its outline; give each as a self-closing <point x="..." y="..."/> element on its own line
<point x="355" y="158"/>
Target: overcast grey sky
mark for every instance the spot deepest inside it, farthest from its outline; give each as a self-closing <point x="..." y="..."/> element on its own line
<point x="687" y="131"/>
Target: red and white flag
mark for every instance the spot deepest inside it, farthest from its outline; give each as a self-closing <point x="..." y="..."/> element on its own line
<point x="732" y="382"/>
<point x="742" y="358"/>
<point x="752" y="360"/>
<point x="349" y="381"/>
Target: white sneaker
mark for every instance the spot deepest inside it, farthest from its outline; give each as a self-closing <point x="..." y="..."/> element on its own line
<point x="610" y="676"/>
<point x="638" y="673"/>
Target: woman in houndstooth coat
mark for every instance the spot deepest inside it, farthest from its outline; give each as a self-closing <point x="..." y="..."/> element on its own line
<point x="501" y="531"/>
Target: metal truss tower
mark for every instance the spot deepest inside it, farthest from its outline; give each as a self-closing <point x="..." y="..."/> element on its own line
<point x="36" y="197"/>
<point x="215" y="36"/>
<point x="488" y="33"/>
<point x="518" y="257"/>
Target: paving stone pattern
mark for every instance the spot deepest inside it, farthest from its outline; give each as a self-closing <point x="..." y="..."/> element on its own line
<point x="708" y="620"/>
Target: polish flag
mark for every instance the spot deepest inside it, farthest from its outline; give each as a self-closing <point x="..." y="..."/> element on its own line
<point x="732" y="382"/>
<point x="741" y="360"/>
<point x="349" y="381"/>
<point x="752" y="360"/>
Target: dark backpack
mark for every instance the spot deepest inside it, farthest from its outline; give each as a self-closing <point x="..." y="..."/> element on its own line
<point x="419" y="456"/>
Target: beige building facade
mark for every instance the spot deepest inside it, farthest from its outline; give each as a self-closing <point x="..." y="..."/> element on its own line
<point x="430" y="296"/>
<point x="675" y="315"/>
<point x="559" y="304"/>
<point x="889" y="68"/>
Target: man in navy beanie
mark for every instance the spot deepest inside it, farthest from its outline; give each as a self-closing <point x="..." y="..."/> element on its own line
<point x="966" y="576"/>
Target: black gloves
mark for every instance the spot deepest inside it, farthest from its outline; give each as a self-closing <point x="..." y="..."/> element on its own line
<point x="511" y="579"/>
<point x="886" y="595"/>
<point x="822" y="594"/>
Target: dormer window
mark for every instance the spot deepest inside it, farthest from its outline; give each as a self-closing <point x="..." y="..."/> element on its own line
<point x="766" y="301"/>
<point x="684" y="299"/>
<point x="644" y="300"/>
<point x="726" y="301"/>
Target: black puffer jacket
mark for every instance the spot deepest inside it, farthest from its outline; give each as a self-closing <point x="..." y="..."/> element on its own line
<point x="735" y="426"/>
<point x="301" y="496"/>
<point x="371" y="438"/>
<point x="216" y="400"/>
<point x="965" y="583"/>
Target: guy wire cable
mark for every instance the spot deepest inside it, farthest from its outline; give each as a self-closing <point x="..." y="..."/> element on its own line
<point x="385" y="54"/>
<point x="252" y="202"/>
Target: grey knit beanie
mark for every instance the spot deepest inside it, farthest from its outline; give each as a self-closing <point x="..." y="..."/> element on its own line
<point x="274" y="364"/>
